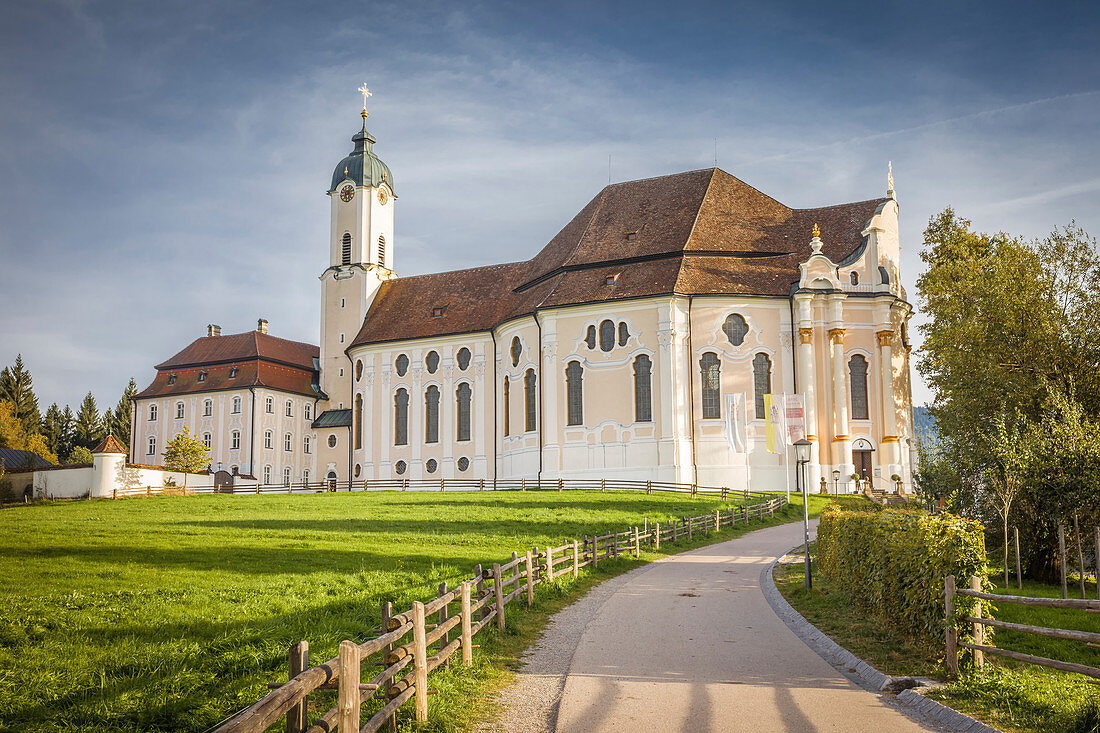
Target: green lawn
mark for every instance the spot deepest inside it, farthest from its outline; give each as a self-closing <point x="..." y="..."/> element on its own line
<point x="172" y="613"/>
<point x="1009" y="695"/>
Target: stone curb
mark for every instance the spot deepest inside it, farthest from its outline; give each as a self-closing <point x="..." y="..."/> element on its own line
<point x="858" y="670"/>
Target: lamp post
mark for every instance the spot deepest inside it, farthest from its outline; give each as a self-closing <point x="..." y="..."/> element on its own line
<point x="802" y="455"/>
<point x="836" y="482"/>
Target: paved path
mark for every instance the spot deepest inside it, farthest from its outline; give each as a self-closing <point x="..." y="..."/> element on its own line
<point x="688" y="643"/>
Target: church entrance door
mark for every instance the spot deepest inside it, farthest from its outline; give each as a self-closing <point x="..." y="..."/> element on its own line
<point x="862" y="461"/>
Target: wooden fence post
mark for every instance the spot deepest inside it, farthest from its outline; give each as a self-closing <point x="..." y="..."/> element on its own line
<point x="1019" y="575"/>
<point x="481" y="485"/>
<point x="951" y="633"/>
<point x="561" y="485"/>
<point x="297" y="719"/>
<point x="595" y="551"/>
<point x="1062" y="558"/>
<point x="649" y="487"/>
<point x="603" y="484"/>
<point x="515" y="572"/>
<point x="420" y="666"/>
<point x="717" y="520"/>
<point x="577" y="567"/>
<point x="979" y="630"/>
<point x="481" y="590"/>
<point x="530" y="580"/>
<point x="498" y="593"/>
<point x="444" y="614"/>
<point x="349" y="683"/>
<point x="637" y="543"/>
<point x="1080" y="555"/>
<point x="387" y="614"/>
<point x="657" y="536"/>
<point x="523" y="484"/>
<point x="689" y="528"/>
<point x="550" y="563"/>
<point x="467" y="636"/>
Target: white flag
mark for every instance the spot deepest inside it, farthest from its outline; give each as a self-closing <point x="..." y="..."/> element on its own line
<point x="737" y="428"/>
<point x="794" y="417"/>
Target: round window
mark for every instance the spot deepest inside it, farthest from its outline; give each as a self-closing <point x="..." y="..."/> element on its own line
<point x="402" y="365"/>
<point x="400" y="468"/>
<point x="463" y="358"/>
<point x="431" y="465"/>
<point x="332" y="441"/>
<point x="358" y="470"/>
<point x="432" y="362"/>
<point x="463" y="463"/>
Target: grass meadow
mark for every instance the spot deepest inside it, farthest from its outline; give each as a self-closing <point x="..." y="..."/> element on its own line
<point x="170" y="614"/>
<point x="1009" y="695"/>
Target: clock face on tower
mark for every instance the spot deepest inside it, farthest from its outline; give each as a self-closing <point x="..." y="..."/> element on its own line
<point x="347" y="193"/>
<point x="382" y="196"/>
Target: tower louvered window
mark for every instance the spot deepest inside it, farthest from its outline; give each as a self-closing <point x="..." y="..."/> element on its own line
<point x="529" y="399"/>
<point x="762" y="382"/>
<point x="382" y="250"/>
<point x="431" y="414"/>
<point x="574" y="396"/>
<point x="346" y="249"/>
<point x="857" y="369"/>
<point x="710" y="373"/>
<point x="643" y="389"/>
<point x="401" y="417"/>
<point x="462" y="395"/>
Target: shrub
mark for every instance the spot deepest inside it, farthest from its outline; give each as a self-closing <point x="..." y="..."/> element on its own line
<point x="893" y="562"/>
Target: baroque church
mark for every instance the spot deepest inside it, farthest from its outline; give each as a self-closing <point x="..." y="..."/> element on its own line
<point x="609" y="354"/>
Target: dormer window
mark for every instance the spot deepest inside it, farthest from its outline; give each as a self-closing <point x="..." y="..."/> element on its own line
<point x="438" y="311"/>
<point x="611" y="279"/>
<point x="171" y="379"/>
<point x="233" y="372"/>
<point x="202" y="376"/>
<point x="631" y="236"/>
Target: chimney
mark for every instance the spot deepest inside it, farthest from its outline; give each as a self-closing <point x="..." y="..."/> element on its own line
<point x="261" y="325"/>
<point x="212" y="330"/>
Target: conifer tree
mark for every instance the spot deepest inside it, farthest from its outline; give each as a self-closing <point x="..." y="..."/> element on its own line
<point x="17" y="387"/>
<point x="52" y="428"/>
<point x="68" y="425"/>
<point x="118" y="420"/>
<point x="89" y="428"/>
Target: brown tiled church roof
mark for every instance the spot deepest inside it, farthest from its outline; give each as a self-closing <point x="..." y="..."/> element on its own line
<point x="698" y="233"/>
<point x="260" y="360"/>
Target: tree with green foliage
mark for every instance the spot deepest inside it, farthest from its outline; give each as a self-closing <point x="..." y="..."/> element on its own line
<point x="17" y="387"/>
<point x="13" y="435"/>
<point x="67" y="438"/>
<point x="1011" y="331"/>
<point x="52" y="428"/>
<point x="79" y="454"/>
<point x="118" y="420"/>
<point x="186" y="452"/>
<point x="88" y="429"/>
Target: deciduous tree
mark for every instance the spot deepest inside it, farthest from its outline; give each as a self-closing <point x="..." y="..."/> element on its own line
<point x="186" y="452"/>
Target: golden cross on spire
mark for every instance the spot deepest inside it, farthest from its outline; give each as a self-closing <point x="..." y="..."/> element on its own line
<point x="817" y="231"/>
<point x="366" y="93"/>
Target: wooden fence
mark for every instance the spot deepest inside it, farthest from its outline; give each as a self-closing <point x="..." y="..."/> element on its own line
<point x="408" y="638"/>
<point x="517" y="484"/>
<point x="980" y="649"/>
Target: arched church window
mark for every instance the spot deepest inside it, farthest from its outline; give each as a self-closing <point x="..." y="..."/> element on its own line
<point x="507" y="407"/>
<point x="358" y="370"/>
<point x="857" y="370"/>
<point x="735" y="328"/>
<point x="854" y="277"/>
<point x="761" y="381"/>
<point x="431" y="414"/>
<point x="574" y="396"/>
<point x="401" y="417"/>
<point x="382" y="250"/>
<point x="643" y="389"/>
<point x="462" y="399"/>
<point x="590" y="337"/>
<point x="607" y="336"/>
<point x="345" y="252"/>
<point x="624" y="334"/>
<point x="517" y="350"/>
<point x="463" y="358"/>
<point x="359" y="421"/>
<point x="710" y="372"/>
<point x="402" y="365"/>
<point x="529" y="399"/>
<point x="432" y="362"/>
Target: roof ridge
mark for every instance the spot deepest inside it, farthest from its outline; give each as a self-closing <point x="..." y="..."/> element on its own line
<point x="850" y="203"/>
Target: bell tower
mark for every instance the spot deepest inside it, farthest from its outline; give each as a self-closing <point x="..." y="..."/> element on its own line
<point x="360" y="256"/>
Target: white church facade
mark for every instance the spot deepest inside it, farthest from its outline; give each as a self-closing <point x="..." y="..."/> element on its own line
<point x="609" y="354"/>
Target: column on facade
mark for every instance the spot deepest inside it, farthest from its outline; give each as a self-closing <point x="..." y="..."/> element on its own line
<point x="889" y="442"/>
<point x="667" y="396"/>
<point x="415" y="417"/>
<point x="685" y="411"/>
<point x="551" y="381"/>
<point x="841" y="437"/>
<point x="807" y="383"/>
<point x="481" y="396"/>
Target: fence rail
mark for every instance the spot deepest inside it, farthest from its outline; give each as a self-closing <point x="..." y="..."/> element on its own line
<point x="408" y="638"/>
<point x="979" y="649"/>
<point x="453" y="484"/>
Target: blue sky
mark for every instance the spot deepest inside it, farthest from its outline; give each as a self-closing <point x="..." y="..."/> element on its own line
<point x="164" y="164"/>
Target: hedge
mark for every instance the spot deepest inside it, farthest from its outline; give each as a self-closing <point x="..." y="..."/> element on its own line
<point x="892" y="562"/>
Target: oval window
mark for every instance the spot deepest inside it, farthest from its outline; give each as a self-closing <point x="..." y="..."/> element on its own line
<point x="463" y="463"/>
<point x="735" y="329"/>
<point x="624" y="334"/>
<point x="463" y="358"/>
<point x="358" y="370"/>
<point x="358" y="470"/>
<point x="402" y="365"/>
<point x="590" y="337"/>
<point x="607" y="336"/>
<point x="432" y="362"/>
<point x="431" y="465"/>
<point x="399" y="468"/>
<point x="332" y="441"/>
